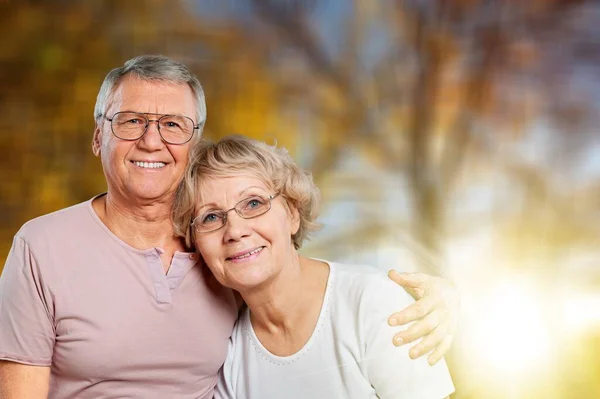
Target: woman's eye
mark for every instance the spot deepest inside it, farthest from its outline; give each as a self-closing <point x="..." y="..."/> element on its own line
<point x="210" y="218"/>
<point x="254" y="203"/>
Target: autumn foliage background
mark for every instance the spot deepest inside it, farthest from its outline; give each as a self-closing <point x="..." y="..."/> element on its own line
<point x="455" y="137"/>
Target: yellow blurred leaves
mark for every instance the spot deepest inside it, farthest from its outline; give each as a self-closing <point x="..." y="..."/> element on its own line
<point x="50" y="192"/>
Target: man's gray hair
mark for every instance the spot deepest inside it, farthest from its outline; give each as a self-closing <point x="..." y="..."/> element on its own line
<point x="153" y="68"/>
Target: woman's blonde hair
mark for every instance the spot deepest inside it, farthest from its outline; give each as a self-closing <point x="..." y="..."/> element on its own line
<point x="239" y="155"/>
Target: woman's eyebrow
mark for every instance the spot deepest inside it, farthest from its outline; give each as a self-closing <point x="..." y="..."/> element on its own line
<point x="210" y="204"/>
<point x="250" y="188"/>
<point x="240" y="196"/>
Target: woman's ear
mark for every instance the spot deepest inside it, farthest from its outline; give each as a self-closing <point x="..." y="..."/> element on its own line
<point x="295" y="225"/>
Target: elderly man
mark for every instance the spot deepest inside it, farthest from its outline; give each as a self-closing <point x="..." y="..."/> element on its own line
<point x="102" y="300"/>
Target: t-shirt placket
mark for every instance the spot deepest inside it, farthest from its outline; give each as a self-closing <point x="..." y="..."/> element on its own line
<point x="166" y="284"/>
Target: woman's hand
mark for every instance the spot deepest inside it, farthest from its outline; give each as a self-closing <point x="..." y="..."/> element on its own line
<point x="435" y="314"/>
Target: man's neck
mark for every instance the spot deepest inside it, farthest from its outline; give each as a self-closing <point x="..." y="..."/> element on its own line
<point x="141" y="226"/>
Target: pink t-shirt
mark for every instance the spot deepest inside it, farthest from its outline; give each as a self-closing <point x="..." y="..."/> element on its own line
<point x="105" y="316"/>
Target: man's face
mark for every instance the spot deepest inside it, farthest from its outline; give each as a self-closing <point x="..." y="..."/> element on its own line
<point x="147" y="169"/>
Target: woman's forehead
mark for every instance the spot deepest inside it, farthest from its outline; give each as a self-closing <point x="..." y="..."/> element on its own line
<point x="225" y="188"/>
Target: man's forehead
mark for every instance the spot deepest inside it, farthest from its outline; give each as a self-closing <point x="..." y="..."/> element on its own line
<point x="132" y="89"/>
<point x="135" y="86"/>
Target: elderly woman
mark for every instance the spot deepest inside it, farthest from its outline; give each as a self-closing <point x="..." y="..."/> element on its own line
<point x="311" y="328"/>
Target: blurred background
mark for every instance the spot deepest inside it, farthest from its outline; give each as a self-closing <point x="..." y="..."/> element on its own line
<point x="455" y="137"/>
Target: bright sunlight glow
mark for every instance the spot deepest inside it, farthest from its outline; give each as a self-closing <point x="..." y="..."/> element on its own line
<point x="510" y="334"/>
<point x="581" y="311"/>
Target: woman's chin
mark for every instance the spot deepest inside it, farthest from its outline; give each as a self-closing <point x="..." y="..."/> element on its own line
<point x="247" y="281"/>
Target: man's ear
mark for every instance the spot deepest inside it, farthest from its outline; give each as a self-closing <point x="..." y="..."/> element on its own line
<point x="97" y="140"/>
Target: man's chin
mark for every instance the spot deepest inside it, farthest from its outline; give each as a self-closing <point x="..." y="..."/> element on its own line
<point x="145" y="194"/>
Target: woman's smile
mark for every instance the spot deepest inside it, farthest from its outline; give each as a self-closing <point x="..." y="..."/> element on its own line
<point x="246" y="256"/>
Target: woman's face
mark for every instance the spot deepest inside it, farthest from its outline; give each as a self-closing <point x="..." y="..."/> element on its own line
<point x="245" y="253"/>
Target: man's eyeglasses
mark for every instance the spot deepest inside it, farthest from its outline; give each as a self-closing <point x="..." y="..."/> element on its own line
<point x="247" y="208"/>
<point x="173" y="129"/>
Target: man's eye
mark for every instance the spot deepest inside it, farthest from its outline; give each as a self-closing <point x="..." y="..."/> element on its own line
<point x="134" y="121"/>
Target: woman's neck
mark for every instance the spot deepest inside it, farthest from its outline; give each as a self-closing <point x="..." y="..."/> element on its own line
<point x="285" y="312"/>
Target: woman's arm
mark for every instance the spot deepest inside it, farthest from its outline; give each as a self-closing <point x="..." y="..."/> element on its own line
<point x="20" y="381"/>
<point x="435" y="314"/>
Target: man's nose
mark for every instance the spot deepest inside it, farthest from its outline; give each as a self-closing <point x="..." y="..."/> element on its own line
<point x="152" y="138"/>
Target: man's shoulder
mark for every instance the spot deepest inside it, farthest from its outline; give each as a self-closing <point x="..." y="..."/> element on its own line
<point x="57" y="224"/>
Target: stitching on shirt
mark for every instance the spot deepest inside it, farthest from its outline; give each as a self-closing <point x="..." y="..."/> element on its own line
<point x="10" y="357"/>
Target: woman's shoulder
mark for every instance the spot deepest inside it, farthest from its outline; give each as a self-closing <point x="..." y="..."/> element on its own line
<point x="365" y="286"/>
<point x="350" y="270"/>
